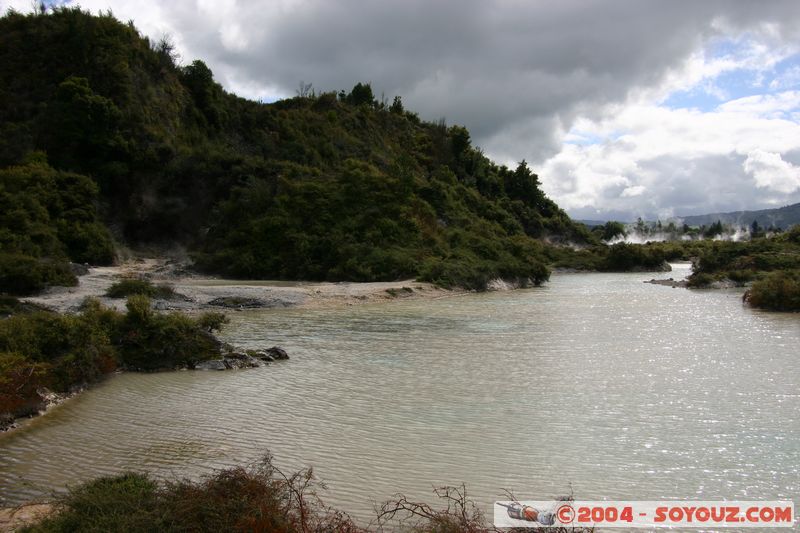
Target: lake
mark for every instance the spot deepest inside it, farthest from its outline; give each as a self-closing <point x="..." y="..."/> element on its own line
<point x="597" y="384"/>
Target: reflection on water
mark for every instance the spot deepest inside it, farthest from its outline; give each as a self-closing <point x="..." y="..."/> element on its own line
<point x="622" y="389"/>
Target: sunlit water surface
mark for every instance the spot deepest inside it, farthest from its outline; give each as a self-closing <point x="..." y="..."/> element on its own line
<point x="595" y="383"/>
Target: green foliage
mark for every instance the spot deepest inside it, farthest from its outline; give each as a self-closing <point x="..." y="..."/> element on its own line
<point x="212" y="321"/>
<point x="700" y="280"/>
<point x="11" y="306"/>
<point x="64" y="351"/>
<point x="46" y="217"/>
<point x="22" y="275"/>
<point x="623" y="257"/>
<point x="152" y="341"/>
<point x="259" y="498"/>
<point x="745" y="261"/>
<point x="127" y="502"/>
<point x="361" y="95"/>
<point x="611" y="230"/>
<point x="778" y="291"/>
<point x="314" y="187"/>
<point x="793" y="235"/>
<point x="127" y="287"/>
<point x="49" y="213"/>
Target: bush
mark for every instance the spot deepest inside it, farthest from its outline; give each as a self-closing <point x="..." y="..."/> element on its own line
<point x="11" y="306"/>
<point x="212" y="321"/>
<point x="778" y="291"/>
<point x="259" y="498"/>
<point x="23" y="275"/>
<point x="60" y="352"/>
<point x="625" y="257"/>
<point x="699" y="280"/>
<point x="143" y="287"/>
<point x="151" y="341"/>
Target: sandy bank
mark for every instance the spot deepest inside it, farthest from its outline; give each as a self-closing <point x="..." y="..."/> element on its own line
<point x="207" y="293"/>
<point x="15" y="518"/>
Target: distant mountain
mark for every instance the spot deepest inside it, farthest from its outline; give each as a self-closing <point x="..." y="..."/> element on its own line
<point x="782" y="217"/>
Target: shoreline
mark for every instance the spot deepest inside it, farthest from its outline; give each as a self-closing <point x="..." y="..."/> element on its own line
<point x="13" y="518"/>
<point x="205" y="293"/>
<point x="196" y="294"/>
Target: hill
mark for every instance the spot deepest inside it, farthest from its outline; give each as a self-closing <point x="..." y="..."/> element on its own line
<point x="330" y="186"/>
<point x="782" y="217"/>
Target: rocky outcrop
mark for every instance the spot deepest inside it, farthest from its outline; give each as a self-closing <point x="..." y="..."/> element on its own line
<point x="277" y="352"/>
<point x="236" y="302"/>
<point x="211" y="364"/>
<point x="500" y="284"/>
<point x="237" y="359"/>
<point x="43" y="400"/>
<point x="669" y="282"/>
<point x="243" y="302"/>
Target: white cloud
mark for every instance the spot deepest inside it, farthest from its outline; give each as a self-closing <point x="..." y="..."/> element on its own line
<point x="526" y="76"/>
<point x="635" y="190"/>
<point x="772" y="172"/>
<point x="652" y="159"/>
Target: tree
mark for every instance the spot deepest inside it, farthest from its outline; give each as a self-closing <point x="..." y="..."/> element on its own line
<point x="304" y="90"/>
<point x="755" y="230"/>
<point x="361" y="95"/>
<point x="207" y="94"/>
<point x="397" y="106"/>
<point x="612" y="229"/>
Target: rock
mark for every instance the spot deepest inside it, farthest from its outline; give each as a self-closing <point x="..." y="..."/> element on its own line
<point x="264" y="356"/>
<point x="79" y="269"/>
<point x="499" y="284"/>
<point x="211" y="364"/>
<point x="277" y="353"/>
<point x="669" y="282"/>
<point x="7" y="421"/>
<point x="237" y="302"/>
<point x="241" y="361"/>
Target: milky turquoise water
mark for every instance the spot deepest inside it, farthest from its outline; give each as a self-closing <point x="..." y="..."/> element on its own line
<point x="596" y="383"/>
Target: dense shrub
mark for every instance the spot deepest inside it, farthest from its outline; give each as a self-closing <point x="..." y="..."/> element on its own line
<point x="11" y="306"/>
<point x="61" y="352"/>
<point x="624" y="257"/>
<point x="778" y="291"/>
<point x="256" y="499"/>
<point x="151" y="341"/>
<point x="700" y="280"/>
<point x="320" y="187"/>
<point x="260" y="498"/>
<point x="130" y="286"/>
<point x="21" y="275"/>
<point x="746" y="261"/>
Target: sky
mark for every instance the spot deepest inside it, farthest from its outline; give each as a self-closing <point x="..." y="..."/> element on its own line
<point x="625" y="108"/>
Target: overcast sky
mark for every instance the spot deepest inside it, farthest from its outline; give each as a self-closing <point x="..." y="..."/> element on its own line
<point x="623" y="107"/>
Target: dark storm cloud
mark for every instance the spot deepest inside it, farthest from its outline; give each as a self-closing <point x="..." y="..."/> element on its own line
<point x="488" y="65"/>
<point x="516" y="73"/>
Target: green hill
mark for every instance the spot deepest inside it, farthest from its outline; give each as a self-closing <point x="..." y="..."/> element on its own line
<point x="331" y="186"/>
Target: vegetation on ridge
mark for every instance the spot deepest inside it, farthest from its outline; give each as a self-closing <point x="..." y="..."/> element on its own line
<point x="329" y="186"/>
